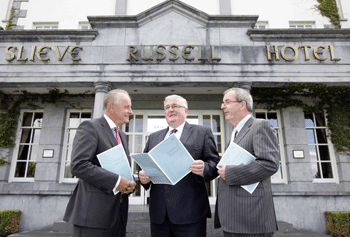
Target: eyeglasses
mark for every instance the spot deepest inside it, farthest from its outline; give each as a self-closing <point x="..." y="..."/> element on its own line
<point x="175" y="106"/>
<point x="227" y="102"/>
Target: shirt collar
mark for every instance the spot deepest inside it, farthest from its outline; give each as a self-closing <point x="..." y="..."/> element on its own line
<point x="109" y="121"/>
<point x="241" y="123"/>
<point x="179" y="128"/>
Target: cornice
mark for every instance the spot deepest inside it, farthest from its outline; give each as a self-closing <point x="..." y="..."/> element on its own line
<point x="299" y="34"/>
<point x="47" y="35"/>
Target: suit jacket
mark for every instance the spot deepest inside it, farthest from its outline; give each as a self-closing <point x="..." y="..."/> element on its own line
<point x="187" y="201"/>
<point x="93" y="203"/>
<point x="238" y="211"/>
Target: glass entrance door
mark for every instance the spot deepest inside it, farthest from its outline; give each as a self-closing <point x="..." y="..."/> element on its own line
<point x="143" y="123"/>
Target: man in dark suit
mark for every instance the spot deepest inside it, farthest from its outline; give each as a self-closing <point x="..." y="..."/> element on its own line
<point x="238" y="212"/>
<point x="182" y="209"/>
<point x="96" y="208"/>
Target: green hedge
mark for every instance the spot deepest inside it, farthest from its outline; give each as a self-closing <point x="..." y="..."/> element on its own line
<point x="338" y="223"/>
<point x="9" y="222"/>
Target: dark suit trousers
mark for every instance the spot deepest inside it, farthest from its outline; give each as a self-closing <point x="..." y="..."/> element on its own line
<point x="119" y="230"/>
<point x="168" y="229"/>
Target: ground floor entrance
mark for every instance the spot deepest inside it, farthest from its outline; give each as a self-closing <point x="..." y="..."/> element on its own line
<point x="143" y="123"/>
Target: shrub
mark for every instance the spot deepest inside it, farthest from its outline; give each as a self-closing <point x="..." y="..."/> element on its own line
<point x="9" y="222"/>
<point x="338" y="223"/>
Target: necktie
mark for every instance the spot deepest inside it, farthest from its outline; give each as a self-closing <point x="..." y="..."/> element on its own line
<point x="173" y="131"/>
<point x="234" y="134"/>
<point x="117" y="134"/>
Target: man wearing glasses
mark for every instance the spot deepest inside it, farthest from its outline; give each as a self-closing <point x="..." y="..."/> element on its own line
<point x="237" y="212"/>
<point x="182" y="209"/>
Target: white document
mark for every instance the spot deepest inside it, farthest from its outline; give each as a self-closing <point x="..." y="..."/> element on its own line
<point x="236" y="155"/>
<point x="166" y="163"/>
<point x="115" y="160"/>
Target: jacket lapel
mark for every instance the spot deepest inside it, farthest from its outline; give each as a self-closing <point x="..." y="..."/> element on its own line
<point x="244" y="130"/>
<point x="108" y="131"/>
<point x="186" y="133"/>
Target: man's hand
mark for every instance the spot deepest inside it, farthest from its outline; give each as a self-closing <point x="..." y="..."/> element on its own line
<point x="126" y="186"/>
<point x="197" y="167"/>
<point x="144" y="179"/>
<point x="222" y="170"/>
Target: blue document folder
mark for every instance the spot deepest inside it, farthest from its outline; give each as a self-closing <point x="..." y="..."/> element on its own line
<point x="166" y="163"/>
<point x="115" y="160"/>
<point x="236" y="155"/>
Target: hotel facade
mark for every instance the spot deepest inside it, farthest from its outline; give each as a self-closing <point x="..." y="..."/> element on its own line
<point x="170" y="48"/>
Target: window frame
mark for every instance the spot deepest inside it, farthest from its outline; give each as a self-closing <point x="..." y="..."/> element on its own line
<point x="295" y="24"/>
<point x="45" y="24"/>
<point x="62" y="179"/>
<point x="259" y="24"/>
<point x="14" y="160"/>
<point x="283" y="164"/>
<point x="331" y="151"/>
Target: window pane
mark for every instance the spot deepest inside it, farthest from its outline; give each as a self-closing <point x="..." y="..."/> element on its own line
<point x="23" y="152"/>
<point x="27" y="119"/>
<point x="206" y="121"/>
<point x="130" y="141"/>
<point x="320" y="120"/>
<point x="74" y="120"/>
<point x="20" y="169"/>
<point x="260" y="115"/>
<point x="321" y="136"/>
<point x="316" y="170"/>
<point x="31" y="169"/>
<point x="272" y="118"/>
<point x="310" y="136"/>
<point x="324" y="153"/>
<point x="129" y="127"/>
<point x="36" y="136"/>
<point x="25" y="138"/>
<point x="67" y="173"/>
<point x="34" y="152"/>
<point x="139" y="123"/>
<point x="216" y="123"/>
<point x="86" y="115"/>
<point x="327" y="170"/>
<point x="138" y="144"/>
<point x="38" y="120"/>
<point x="313" y="153"/>
<point x="309" y="120"/>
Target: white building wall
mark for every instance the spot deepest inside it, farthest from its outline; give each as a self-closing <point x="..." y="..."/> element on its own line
<point x="68" y="13"/>
<point x="276" y="12"/>
<point x="4" y="9"/>
<point x="345" y="13"/>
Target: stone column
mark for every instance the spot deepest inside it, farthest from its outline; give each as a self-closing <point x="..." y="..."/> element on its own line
<point x="120" y="7"/>
<point x="101" y="89"/>
<point x="225" y="7"/>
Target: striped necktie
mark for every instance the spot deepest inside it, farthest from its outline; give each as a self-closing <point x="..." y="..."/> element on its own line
<point x="117" y="134"/>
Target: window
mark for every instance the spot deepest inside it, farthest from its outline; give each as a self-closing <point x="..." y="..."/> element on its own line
<point x="320" y="148"/>
<point x="301" y="24"/>
<point x="45" y="25"/>
<point x="261" y="25"/>
<point x="27" y="144"/>
<point x="74" y="119"/>
<point x="84" y="25"/>
<point x="274" y="118"/>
